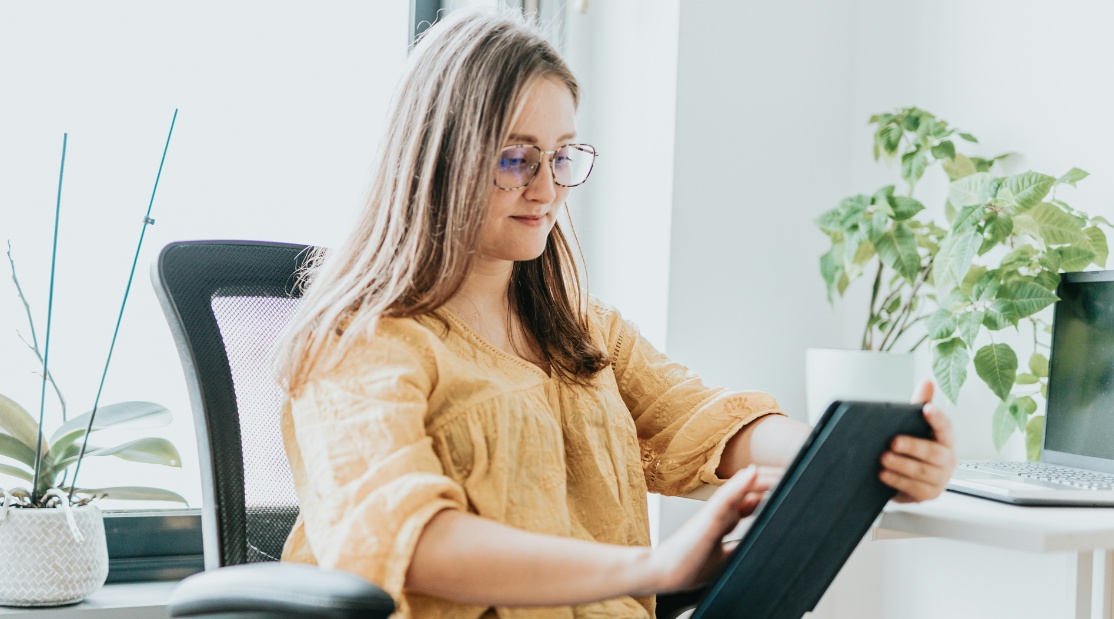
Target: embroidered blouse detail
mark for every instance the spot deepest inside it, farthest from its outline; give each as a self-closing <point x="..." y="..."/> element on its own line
<point x="419" y="418"/>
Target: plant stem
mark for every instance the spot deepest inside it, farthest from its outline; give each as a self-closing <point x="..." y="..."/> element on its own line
<point x="49" y="316"/>
<point x="867" y="339"/>
<point x="34" y="344"/>
<point x="147" y="221"/>
<point x="907" y="309"/>
<point x="919" y="342"/>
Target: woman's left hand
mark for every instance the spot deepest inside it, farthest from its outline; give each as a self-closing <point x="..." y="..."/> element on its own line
<point x="920" y="468"/>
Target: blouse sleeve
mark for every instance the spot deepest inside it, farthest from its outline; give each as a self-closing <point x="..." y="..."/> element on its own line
<point x="682" y="424"/>
<point x="367" y="477"/>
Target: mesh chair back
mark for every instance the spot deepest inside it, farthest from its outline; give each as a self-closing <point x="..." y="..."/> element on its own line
<point x="228" y="303"/>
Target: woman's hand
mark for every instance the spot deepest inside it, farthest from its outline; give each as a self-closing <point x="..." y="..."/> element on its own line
<point x="693" y="554"/>
<point x="920" y="468"/>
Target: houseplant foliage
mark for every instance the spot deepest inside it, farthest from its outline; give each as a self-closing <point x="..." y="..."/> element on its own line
<point x="19" y="432"/>
<point x="992" y="267"/>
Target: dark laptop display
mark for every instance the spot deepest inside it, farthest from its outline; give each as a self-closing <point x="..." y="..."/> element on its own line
<point x="1080" y="417"/>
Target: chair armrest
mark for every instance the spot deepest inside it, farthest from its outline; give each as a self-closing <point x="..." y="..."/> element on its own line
<point x="279" y="590"/>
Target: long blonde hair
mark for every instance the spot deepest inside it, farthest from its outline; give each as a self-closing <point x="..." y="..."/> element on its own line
<point x="415" y="241"/>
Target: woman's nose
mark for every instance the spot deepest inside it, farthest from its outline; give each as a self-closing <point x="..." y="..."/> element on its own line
<point x="542" y="188"/>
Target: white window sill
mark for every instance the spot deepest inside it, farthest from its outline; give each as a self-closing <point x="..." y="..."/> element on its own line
<point x="139" y="600"/>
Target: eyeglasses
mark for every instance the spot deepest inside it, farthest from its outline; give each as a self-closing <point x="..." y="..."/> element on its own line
<point x="518" y="165"/>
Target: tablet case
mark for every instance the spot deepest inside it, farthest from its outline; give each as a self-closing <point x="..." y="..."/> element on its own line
<point x="815" y="517"/>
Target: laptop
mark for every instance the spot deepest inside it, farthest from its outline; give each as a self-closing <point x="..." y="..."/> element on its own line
<point x="1077" y="459"/>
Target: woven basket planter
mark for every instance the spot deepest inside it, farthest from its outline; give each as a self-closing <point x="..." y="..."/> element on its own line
<point x="43" y="564"/>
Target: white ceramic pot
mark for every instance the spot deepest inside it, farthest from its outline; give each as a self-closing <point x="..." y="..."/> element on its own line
<point x="41" y="562"/>
<point x="855" y="375"/>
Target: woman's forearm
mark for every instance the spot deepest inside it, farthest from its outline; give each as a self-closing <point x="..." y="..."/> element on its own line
<point x="472" y="560"/>
<point x="772" y="440"/>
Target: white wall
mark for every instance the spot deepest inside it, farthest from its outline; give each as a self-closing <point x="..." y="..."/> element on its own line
<point x="281" y="105"/>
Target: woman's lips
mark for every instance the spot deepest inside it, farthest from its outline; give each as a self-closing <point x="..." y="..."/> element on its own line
<point x="530" y="221"/>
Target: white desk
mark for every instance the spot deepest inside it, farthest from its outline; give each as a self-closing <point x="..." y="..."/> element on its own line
<point x="1087" y="533"/>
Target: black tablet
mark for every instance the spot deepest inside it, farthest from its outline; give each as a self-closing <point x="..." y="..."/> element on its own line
<point x="814" y="518"/>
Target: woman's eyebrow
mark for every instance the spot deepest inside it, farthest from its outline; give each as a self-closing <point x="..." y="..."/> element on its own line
<point x="531" y="139"/>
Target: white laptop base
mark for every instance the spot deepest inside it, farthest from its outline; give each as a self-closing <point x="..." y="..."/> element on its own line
<point x="1033" y="483"/>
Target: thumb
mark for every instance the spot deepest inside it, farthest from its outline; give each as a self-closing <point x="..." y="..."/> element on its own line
<point x="923" y="393"/>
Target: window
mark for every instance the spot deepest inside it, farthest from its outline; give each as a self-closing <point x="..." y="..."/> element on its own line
<point x="280" y="109"/>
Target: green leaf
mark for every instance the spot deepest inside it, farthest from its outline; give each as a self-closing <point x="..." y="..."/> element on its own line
<point x="889" y="138"/>
<point x="944" y="150"/>
<point x="955" y="301"/>
<point x="1034" y="437"/>
<point x="1021" y="408"/>
<point x="969" y="323"/>
<point x="135" y="413"/>
<point x="1051" y="260"/>
<point x="1038" y="365"/>
<point x="831" y="267"/>
<point x="986" y="287"/>
<point x="905" y="208"/>
<point x="954" y="258"/>
<point x="1028" y="297"/>
<point x="1028" y="189"/>
<point x="897" y="249"/>
<point x="16" y="472"/>
<point x="958" y="167"/>
<point x="134" y="493"/>
<point x="968" y="217"/>
<point x="913" y="166"/>
<point x="1074" y="258"/>
<point x="974" y="274"/>
<point x="949" y="366"/>
<point x="1025" y="378"/>
<point x="940" y="325"/>
<point x="16" y="421"/>
<point x="1000" y="314"/>
<point x="968" y="190"/>
<point x="1002" y="425"/>
<point x="1098" y="244"/>
<point x="149" y="450"/>
<point x="1071" y="177"/>
<point x="1022" y="256"/>
<point x="968" y="137"/>
<point x="16" y="450"/>
<point x="996" y="365"/>
<point x="998" y="228"/>
<point x="1048" y="279"/>
<point x="1057" y="227"/>
<point x="830" y="221"/>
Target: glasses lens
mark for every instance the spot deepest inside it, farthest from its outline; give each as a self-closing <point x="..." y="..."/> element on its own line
<point x="517" y="165"/>
<point x="572" y="164"/>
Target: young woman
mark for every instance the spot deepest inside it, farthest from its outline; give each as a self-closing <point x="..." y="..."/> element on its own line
<point x="466" y="428"/>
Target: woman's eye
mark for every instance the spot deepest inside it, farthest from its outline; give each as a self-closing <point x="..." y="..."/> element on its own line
<point x="508" y="163"/>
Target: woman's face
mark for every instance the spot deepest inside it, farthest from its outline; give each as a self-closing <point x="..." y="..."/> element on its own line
<point x="518" y="221"/>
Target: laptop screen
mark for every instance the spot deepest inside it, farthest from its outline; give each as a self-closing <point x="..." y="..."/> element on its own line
<point x="1081" y="377"/>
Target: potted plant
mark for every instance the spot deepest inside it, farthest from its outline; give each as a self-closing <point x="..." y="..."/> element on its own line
<point x="51" y="531"/>
<point x="993" y="267"/>
<point x="52" y="534"/>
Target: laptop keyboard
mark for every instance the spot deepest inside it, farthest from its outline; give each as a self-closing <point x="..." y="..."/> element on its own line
<point x="1042" y="471"/>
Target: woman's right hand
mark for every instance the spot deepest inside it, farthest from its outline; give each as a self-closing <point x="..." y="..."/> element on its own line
<point x="695" y="552"/>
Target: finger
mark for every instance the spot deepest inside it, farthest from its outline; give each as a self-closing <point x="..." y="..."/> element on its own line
<point x="770" y="475"/>
<point x="924" y="450"/>
<point x="914" y="488"/>
<point x="941" y="426"/>
<point x="915" y="469"/>
<point x="735" y="488"/>
<point x="923" y="393"/>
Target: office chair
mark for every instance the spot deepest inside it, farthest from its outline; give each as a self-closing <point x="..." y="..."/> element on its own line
<point x="227" y="303"/>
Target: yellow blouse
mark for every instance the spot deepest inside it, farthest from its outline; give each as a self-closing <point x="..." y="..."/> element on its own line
<point x="420" y="418"/>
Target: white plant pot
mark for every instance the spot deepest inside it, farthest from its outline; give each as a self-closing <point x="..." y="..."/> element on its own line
<point x="855" y="375"/>
<point x="43" y="564"/>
